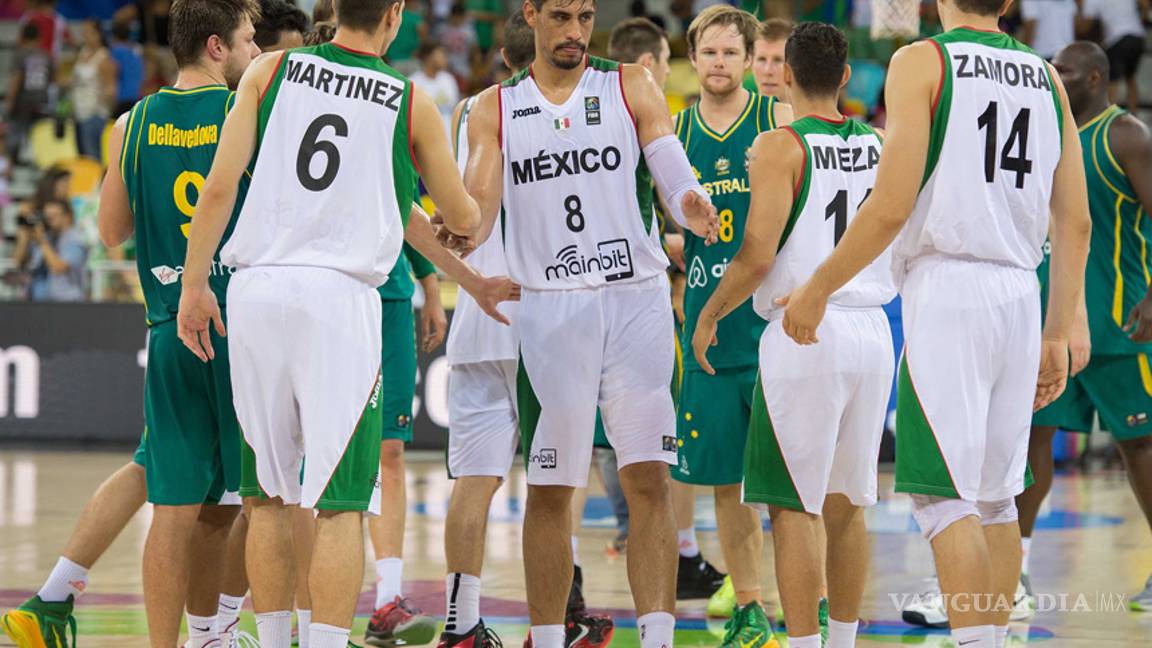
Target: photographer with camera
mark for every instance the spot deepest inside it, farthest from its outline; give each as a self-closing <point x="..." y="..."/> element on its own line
<point x="52" y="252"/>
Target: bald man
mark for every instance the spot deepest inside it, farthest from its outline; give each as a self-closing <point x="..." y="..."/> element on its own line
<point x="1115" y="328"/>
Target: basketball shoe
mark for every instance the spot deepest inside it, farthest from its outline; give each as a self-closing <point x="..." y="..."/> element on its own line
<point x="927" y="608"/>
<point x="480" y="636"/>
<point x="723" y="601"/>
<point x="1024" y="603"/>
<point x="399" y="624"/>
<point x="39" y="624"/>
<point x="697" y="578"/>
<point x="749" y="627"/>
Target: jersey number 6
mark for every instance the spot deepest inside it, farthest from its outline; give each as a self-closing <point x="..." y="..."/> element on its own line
<point x="312" y="144"/>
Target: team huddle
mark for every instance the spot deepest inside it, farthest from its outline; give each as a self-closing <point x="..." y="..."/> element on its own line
<point x="284" y="188"/>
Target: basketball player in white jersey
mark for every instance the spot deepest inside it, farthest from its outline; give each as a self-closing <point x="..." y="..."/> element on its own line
<point x="981" y="146"/>
<point x="814" y="436"/>
<point x="320" y="229"/>
<point x="567" y="148"/>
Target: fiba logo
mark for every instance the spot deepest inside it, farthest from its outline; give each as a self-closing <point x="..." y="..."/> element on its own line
<point x="613" y="259"/>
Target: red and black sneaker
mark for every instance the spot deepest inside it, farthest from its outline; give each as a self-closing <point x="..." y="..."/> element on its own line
<point x="582" y="630"/>
<point x="399" y="624"/>
<point x="480" y="636"/>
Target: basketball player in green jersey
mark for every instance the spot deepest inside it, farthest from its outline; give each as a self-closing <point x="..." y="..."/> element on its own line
<point x="1116" y="384"/>
<point x="712" y="421"/>
<point x="192" y="455"/>
<point x="975" y="116"/>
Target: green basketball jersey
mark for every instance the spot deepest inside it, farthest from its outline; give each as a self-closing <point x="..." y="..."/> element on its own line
<point x="1119" y="271"/>
<point x="720" y="161"/>
<point x="410" y="265"/>
<point x="169" y="144"/>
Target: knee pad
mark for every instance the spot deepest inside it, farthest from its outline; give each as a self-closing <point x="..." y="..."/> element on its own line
<point x="935" y="514"/>
<point x="998" y="512"/>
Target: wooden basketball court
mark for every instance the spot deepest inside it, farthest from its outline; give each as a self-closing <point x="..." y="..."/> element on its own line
<point x="1091" y="552"/>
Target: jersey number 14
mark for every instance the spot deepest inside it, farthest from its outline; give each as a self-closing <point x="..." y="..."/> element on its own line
<point x="1017" y="139"/>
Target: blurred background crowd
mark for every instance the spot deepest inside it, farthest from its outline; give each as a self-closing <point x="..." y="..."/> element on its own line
<point x="70" y="67"/>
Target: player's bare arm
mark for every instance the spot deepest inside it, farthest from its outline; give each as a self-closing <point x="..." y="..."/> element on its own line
<point x="484" y="174"/>
<point x="1132" y="144"/>
<point x="438" y="167"/>
<point x="912" y="80"/>
<point x="775" y="163"/>
<point x="1069" y="232"/>
<point x="687" y="205"/>
<point x="114" y="218"/>
<point x="198" y="304"/>
<point x="487" y="291"/>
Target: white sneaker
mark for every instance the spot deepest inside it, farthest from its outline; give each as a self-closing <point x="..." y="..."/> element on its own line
<point x="1023" y="603"/>
<point x="927" y="608"/>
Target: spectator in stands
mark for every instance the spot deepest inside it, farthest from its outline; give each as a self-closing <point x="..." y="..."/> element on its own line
<point x="1049" y="25"/>
<point x="1121" y="24"/>
<point x="458" y="36"/>
<point x="489" y="16"/>
<point x="281" y="26"/>
<point x="129" y="57"/>
<point x="433" y="78"/>
<point x="53" y="253"/>
<point x="51" y="27"/>
<point x="152" y="16"/>
<point x="413" y="31"/>
<point x="93" y="87"/>
<point x="30" y="90"/>
<point x="768" y="57"/>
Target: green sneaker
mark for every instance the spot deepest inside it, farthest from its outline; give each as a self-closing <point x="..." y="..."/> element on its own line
<point x="37" y="624"/>
<point x="721" y="604"/>
<point x="749" y="627"/>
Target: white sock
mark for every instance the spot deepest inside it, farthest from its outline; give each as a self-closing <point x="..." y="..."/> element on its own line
<point x="201" y="630"/>
<point x="303" y="622"/>
<point x="811" y="641"/>
<point x="575" y="550"/>
<point x="548" y="636"/>
<point x="687" y="540"/>
<point x="1001" y="636"/>
<point x="389" y="574"/>
<point x="656" y="630"/>
<point x="274" y="629"/>
<point x="1025" y="550"/>
<point x="841" y="634"/>
<point x="974" y="637"/>
<point x="322" y="635"/>
<point x="67" y="579"/>
<point x="228" y="612"/>
<point x="463" y="602"/>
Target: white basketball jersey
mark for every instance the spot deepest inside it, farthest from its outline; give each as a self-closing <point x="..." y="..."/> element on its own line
<point x="334" y="177"/>
<point x="473" y="336"/>
<point x="995" y="142"/>
<point x="577" y="193"/>
<point x="840" y="160"/>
